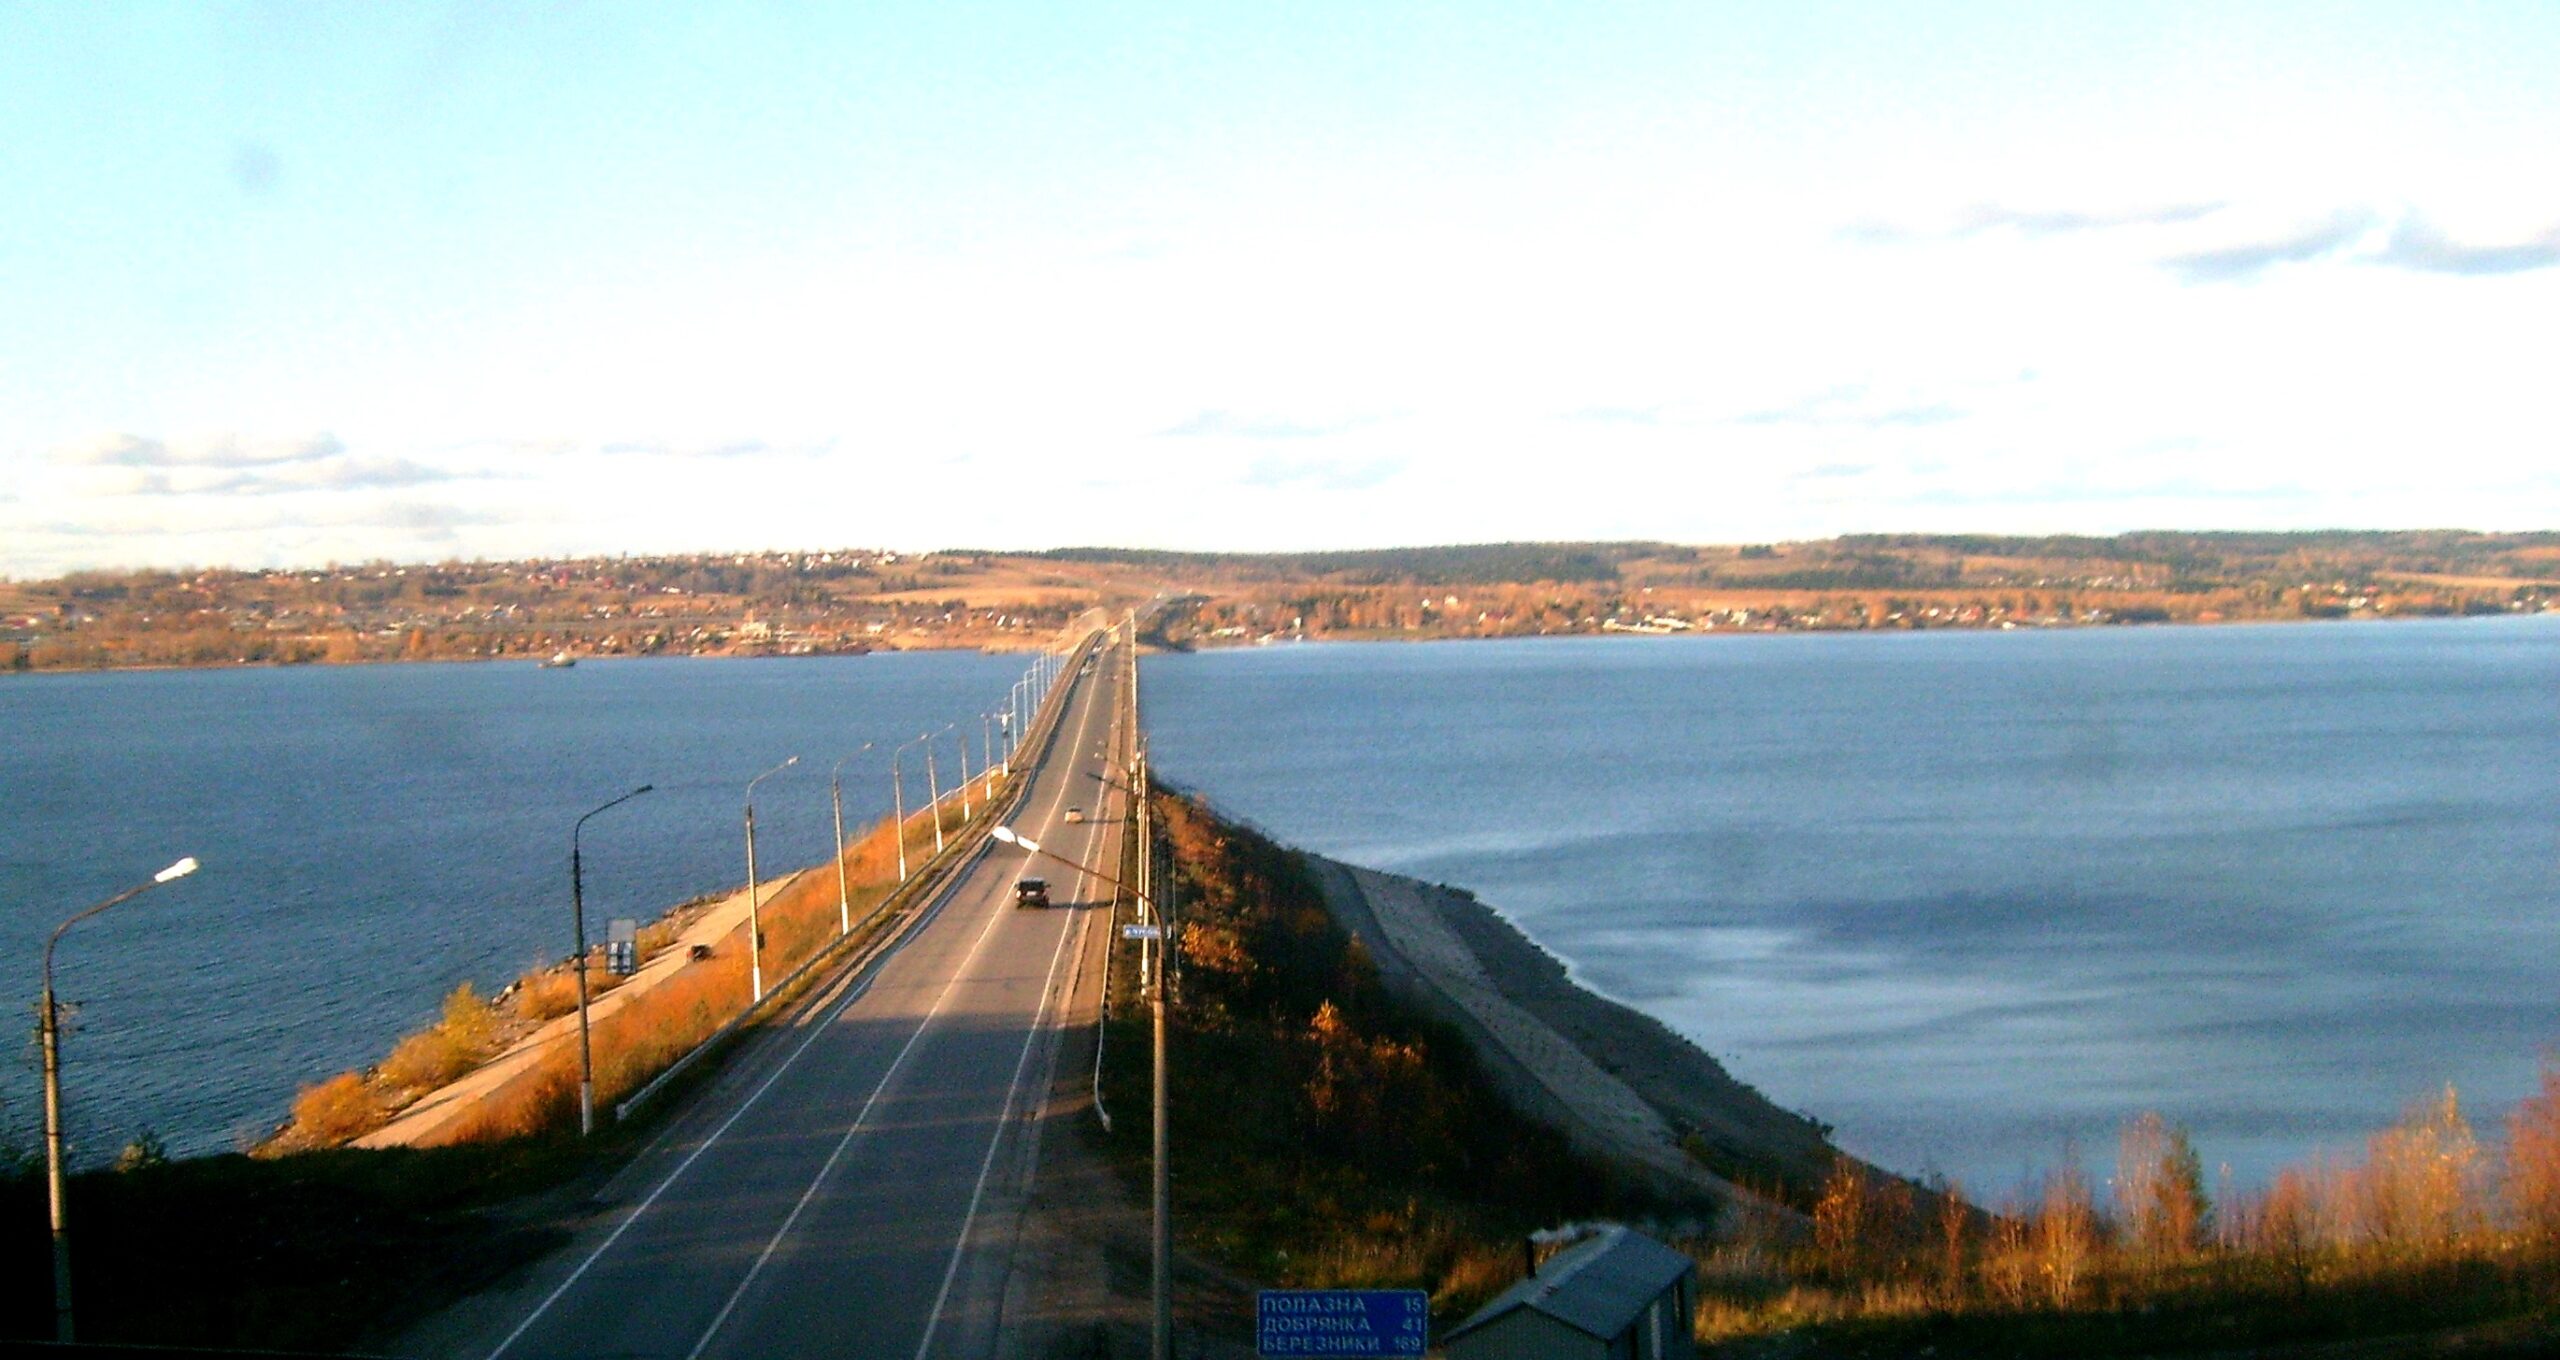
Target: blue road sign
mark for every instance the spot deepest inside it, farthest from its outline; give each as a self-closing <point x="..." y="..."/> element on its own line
<point x="1342" y="1322"/>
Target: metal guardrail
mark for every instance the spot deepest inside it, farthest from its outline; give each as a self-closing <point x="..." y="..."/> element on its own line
<point x="935" y="875"/>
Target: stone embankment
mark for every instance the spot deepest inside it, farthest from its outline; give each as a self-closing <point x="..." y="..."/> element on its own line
<point x="1618" y="1082"/>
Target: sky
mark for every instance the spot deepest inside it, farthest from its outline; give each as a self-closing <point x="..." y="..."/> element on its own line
<point x="288" y="284"/>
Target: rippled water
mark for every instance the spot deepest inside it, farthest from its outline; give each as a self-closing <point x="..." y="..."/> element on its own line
<point x="1969" y="895"/>
<point x="372" y="835"/>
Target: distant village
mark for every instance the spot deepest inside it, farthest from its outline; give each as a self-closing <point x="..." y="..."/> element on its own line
<point x="757" y="604"/>
<point x="849" y="601"/>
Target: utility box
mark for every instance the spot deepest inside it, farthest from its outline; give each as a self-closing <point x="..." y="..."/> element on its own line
<point x="622" y="947"/>
<point x="1615" y="1295"/>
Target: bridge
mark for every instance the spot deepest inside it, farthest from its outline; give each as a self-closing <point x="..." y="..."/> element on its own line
<point x="849" y="1182"/>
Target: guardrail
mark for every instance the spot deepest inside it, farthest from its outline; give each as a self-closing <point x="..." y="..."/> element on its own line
<point x="937" y="873"/>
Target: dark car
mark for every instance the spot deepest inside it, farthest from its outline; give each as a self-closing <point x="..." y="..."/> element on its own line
<point x="1031" y="892"/>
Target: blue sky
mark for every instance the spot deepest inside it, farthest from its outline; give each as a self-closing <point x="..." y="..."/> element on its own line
<point x="287" y="284"/>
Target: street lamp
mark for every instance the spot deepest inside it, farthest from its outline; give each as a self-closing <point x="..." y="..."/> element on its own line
<point x="844" y="894"/>
<point x="578" y="922"/>
<point x="53" y="1096"/>
<point x="755" y="918"/>
<point x="933" y="785"/>
<point x="1163" y="1193"/>
<point x="960" y="738"/>
<point x="898" y="801"/>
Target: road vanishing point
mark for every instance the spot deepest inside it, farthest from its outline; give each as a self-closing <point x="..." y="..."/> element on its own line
<point x="851" y="1183"/>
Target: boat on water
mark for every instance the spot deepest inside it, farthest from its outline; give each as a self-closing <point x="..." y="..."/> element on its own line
<point x="558" y="661"/>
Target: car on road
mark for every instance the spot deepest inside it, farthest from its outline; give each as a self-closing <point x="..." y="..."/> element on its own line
<point x="1075" y="814"/>
<point x="1031" y="892"/>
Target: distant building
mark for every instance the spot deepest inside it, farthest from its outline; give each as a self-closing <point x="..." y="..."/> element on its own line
<point x="1616" y="1295"/>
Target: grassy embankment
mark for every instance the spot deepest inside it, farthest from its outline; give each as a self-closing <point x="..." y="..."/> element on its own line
<point x="2431" y="1230"/>
<point x="1325" y="1134"/>
<point x="633" y="1042"/>
<point x="1326" y="1137"/>
<point x="309" y="1244"/>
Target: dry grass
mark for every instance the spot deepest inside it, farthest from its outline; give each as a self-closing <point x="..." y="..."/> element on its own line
<point x="336" y="1110"/>
<point x="547" y="993"/>
<point x="650" y="1029"/>
<point x="456" y="1043"/>
<point x="2427" y="1229"/>
<point x="2533" y="1159"/>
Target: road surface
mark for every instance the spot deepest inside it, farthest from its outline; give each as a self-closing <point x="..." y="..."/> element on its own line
<point x="848" y="1187"/>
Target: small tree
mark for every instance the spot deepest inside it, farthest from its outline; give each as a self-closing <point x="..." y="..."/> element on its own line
<point x="2160" y="1197"/>
<point x="2420" y="1179"/>
<point x="1955" y="1223"/>
<point x="1841" y="1219"/>
<point x="2066" y="1233"/>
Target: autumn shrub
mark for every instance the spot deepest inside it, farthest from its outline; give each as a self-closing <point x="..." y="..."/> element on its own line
<point x="547" y="994"/>
<point x="2421" y="1179"/>
<point x="541" y="1098"/>
<point x="2533" y="1160"/>
<point x="1843" y="1216"/>
<point x="334" y="1111"/>
<point x="422" y="1062"/>
<point x="455" y="1044"/>
<point x="469" y="1022"/>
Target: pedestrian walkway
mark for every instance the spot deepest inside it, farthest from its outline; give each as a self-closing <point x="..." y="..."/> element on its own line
<point x="438" y="1113"/>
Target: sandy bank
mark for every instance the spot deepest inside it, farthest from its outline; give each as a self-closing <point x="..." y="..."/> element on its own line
<point x="1618" y="1082"/>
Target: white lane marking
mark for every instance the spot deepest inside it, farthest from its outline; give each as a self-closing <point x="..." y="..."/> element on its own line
<point x="749" y="1103"/>
<point x="864" y="1115"/>
<point x="859" y="1119"/>
<point x="960" y="1247"/>
<point x="1013" y="1093"/>
<point x="672" y="1177"/>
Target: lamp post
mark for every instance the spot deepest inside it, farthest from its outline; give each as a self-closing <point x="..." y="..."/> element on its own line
<point x="578" y="923"/>
<point x="960" y="738"/>
<point x="51" y="1025"/>
<point x="933" y="785"/>
<point x="1009" y="722"/>
<point x="987" y="756"/>
<point x="1162" y="1197"/>
<point x="898" y="802"/>
<point x="844" y="893"/>
<point x="755" y="916"/>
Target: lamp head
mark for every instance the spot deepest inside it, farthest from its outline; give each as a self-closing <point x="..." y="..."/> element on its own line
<point x="180" y="869"/>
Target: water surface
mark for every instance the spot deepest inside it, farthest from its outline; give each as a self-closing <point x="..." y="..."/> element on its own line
<point x="1967" y="896"/>
<point x="372" y="835"/>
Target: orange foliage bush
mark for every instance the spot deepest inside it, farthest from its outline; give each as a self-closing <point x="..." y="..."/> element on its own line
<point x="337" y="1110"/>
<point x="2533" y="1158"/>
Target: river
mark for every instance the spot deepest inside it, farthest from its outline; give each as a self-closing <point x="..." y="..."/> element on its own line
<point x="1972" y="897"/>
<point x="372" y="835"/>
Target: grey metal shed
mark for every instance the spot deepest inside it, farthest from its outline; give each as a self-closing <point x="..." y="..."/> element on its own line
<point x="1617" y="1295"/>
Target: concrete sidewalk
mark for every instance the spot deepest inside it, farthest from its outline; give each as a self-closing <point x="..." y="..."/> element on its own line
<point x="437" y="1112"/>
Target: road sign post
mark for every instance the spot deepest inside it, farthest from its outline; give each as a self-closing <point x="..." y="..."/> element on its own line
<point x="1342" y="1322"/>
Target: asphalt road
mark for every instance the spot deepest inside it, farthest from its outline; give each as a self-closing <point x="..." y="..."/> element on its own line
<point x="849" y="1187"/>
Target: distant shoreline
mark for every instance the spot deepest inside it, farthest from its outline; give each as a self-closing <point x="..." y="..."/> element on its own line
<point x="1633" y="636"/>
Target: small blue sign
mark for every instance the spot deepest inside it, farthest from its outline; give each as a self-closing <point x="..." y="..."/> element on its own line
<point x="1342" y="1322"/>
